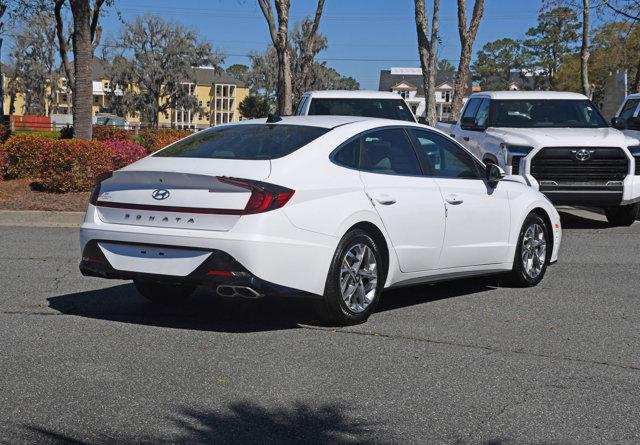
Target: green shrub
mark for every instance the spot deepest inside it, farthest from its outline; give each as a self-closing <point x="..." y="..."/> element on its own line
<point x="71" y="165"/>
<point x="153" y="139"/>
<point x="109" y="132"/>
<point x="41" y="134"/>
<point x="23" y="155"/>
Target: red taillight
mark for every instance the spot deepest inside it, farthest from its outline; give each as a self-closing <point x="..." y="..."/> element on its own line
<point x="264" y="197"/>
<point x="93" y="199"/>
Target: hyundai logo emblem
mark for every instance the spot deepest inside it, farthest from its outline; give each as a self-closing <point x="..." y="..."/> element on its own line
<point x="583" y="154"/>
<point x="160" y="194"/>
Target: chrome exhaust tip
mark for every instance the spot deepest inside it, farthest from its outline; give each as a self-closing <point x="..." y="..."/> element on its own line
<point x="225" y="290"/>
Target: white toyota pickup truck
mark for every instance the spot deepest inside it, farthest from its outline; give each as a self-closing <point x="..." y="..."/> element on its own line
<point x="559" y="143"/>
<point x="628" y="117"/>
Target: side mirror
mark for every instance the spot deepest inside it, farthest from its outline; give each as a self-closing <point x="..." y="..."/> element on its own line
<point x="494" y="174"/>
<point x="422" y="120"/>
<point x="619" y="123"/>
<point x="470" y="123"/>
<point x="633" y="123"/>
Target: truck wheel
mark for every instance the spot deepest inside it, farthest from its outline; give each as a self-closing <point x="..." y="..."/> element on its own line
<point x="622" y="216"/>
<point x="532" y="255"/>
<point x="163" y="293"/>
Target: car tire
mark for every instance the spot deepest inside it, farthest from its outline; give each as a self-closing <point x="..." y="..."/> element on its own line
<point x="352" y="292"/>
<point x="532" y="253"/>
<point x="164" y="293"/>
<point x="622" y="216"/>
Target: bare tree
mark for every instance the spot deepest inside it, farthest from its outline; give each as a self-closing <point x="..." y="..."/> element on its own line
<point x="280" y="38"/>
<point x="467" y="38"/>
<point x="427" y="51"/>
<point x="85" y="36"/>
<point x="584" y="49"/>
<point x="629" y="10"/>
<point x="310" y="44"/>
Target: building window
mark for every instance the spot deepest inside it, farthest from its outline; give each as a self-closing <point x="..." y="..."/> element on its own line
<point x="208" y="104"/>
<point x="200" y="103"/>
<point x="447" y="96"/>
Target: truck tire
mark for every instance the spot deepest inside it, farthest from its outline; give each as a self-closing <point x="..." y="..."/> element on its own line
<point x="622" y="216"/>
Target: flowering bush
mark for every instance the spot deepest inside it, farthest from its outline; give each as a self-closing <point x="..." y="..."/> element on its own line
<point x="23" y="155"/>
<point x="153" y="139"/>
<point x="109" y="132"/>
<point x="71" y="165"/>
<point x="5" y="133"/>
<point x="124" y="152"/>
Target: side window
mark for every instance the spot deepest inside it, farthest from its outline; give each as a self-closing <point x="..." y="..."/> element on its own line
<point x="349" y="155"/>
<point x="629" y="108"/>
<point x="482" y="115"/>
<point x="389" y="152"/>
<point x="300" y="107"/>
<point x="472" y="107"/>
<point x="444" y="158"/>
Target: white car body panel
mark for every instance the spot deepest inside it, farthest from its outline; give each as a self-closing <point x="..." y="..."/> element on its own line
<point x="293" y="246"/>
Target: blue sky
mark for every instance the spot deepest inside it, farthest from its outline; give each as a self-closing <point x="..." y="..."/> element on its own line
<point x="364" y="36"/>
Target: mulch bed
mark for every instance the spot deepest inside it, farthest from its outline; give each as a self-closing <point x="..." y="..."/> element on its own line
<point x="21" y="194"/>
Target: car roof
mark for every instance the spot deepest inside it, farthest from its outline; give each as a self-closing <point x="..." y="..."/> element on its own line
<point x="356" y="94"/>
<point x="530" y="95"/>
<point x="323" y="121"/>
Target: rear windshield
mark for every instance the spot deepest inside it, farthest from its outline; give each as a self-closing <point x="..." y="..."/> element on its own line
<point x="546" y="113"/>
<point x="250" y="142"/>
<point x="382" y="108"/>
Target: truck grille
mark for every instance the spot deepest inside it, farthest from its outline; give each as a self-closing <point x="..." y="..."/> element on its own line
<point x="580" y="164"/>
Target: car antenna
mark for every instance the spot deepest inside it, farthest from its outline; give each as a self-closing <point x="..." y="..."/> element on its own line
<point x="273" y="118"/>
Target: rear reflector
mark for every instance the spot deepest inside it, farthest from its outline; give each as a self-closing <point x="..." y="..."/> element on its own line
<point x="222" y="273"/>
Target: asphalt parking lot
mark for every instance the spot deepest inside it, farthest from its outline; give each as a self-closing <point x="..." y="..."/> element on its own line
<point x="89" y="361"/>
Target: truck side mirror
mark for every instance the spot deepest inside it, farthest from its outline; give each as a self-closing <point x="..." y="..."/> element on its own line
<point x="619" y="123"/>
<point x="470" y="123"/>
<point x="633" y="123"/>
<point x="494" y="174"/>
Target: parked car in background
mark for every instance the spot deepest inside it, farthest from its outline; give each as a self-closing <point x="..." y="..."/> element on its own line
<point x="627" y="118"/>
<point x="325" y="207"/>
<point x="559" y="143"/>
<point x="380" y="104"/>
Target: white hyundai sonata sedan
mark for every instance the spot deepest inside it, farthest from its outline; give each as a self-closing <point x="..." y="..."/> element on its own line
<point x="327" y="207"/>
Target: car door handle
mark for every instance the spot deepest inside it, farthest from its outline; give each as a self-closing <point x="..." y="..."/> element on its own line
<point x="454" y="199"/>
<point x="466" y="138"/>
<point x="385" y="199"/>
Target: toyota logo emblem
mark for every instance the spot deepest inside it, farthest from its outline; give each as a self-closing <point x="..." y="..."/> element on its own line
<point x="160" y="194"/>
<point x="583" y="154"/>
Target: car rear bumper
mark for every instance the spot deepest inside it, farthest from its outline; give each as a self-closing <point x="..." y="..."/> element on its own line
<point x="218" y="269"/>
<point x="268" y="247"/>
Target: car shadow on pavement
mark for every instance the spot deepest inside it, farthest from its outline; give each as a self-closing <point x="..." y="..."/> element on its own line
<point x="573" y="221"/>
<point x="203" y="311"/>
<point x="206" y="311"/>
<point x="241" y="422"/>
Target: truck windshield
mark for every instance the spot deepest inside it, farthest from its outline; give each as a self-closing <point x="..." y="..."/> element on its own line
<point x="382" y="108"/>
<point x="546" y="113"/>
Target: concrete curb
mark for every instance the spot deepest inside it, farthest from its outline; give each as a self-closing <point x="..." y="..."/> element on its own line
<point x="40" y="218"/>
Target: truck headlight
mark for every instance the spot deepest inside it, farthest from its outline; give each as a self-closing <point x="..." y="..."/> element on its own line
<point x="511" y="155"/>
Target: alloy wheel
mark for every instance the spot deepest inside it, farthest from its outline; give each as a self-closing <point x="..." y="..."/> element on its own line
<point x="534" y="250"/>
<point x="358" y="277"/>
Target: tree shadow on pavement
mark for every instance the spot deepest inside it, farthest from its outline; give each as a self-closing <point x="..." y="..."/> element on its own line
<point x="240" y="423"/>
